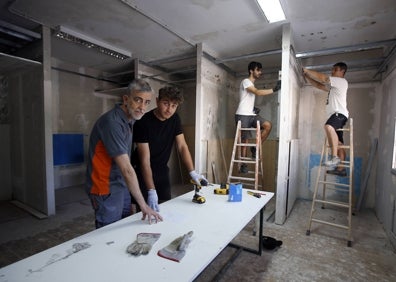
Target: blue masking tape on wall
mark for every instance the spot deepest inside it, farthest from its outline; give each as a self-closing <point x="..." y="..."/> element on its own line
<point x="68" y="148"/>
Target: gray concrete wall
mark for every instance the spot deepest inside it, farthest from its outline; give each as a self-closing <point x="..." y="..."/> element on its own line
<point x="76" y="108"/>
<point x="219" y="91"/>
<point x="5" y="141"/>
<point x="385" y="182"/>
<point x="27" y="135"/>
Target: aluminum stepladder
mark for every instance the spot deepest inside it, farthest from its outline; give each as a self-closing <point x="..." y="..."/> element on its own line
<point x="338" y="187"/>
<point x="237" y="159"/>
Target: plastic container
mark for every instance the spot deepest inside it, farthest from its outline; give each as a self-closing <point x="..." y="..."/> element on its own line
<point x="235" y="193"/>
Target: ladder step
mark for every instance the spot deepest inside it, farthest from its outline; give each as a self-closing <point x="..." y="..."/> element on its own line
<point x="248" y="129"/>
<point x="341" y="165"/>
<point x="246" y="144"/>
<point x="242" y="178"/>
<point x="244" y="161"/>
<point x="344" y="129"/>
<point x="249" y="159"/>
<point x="334" y="183"/>
<point x="336" y="188"/>
<point x="248" y="172"/>
<point x="330" y="223"/>
<point x="251" y="185"/>
<point x="334" y="203"/>
<point x="347" y="147"/>
<point x="343" y="147"/>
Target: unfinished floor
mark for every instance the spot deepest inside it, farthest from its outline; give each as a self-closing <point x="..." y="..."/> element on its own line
<point x="322" y="256"/>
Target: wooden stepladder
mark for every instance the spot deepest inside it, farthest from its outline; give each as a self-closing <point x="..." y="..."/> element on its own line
<point x="325" y="181"/>
<point x="251" y="178"/>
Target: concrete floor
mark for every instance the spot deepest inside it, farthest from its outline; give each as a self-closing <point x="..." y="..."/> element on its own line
<point x="322" y="256"/>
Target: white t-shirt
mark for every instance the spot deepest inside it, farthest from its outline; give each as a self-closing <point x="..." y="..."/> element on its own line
<point x="246" y="99"/>
<point x="337" y="97"/>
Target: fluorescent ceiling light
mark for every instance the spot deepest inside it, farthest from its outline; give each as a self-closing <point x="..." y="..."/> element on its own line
<point x="272" y="10"/>
<point x="91" y="43"/>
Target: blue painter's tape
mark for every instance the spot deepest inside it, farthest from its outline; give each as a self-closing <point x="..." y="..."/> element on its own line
<point x="68" y="149"/>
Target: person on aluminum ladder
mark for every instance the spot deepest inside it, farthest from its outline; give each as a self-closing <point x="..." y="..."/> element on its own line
<point x="247" y="113"/>
<point x="336" y="108"/>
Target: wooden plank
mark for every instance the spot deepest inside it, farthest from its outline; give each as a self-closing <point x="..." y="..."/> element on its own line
<point x="270" y="164"/>
<point x="30" y="210"/>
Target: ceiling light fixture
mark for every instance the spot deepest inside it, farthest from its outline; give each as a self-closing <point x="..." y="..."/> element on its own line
<point x="91" y="43"/>
<point x="272" y="10"/>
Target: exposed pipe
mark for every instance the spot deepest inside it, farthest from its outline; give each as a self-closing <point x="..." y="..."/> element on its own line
<point x="20" y="59"/>
<point x="86" y="75"/>
<point x="173" y="59"/>
<point x="19" y="30"/>
<point x="385" y="62"/>
<point x="345" y="49"/>
<point x="265" y="53"/>
<point x="171" y="72"/>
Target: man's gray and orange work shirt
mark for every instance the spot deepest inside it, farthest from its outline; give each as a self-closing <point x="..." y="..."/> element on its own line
<point x="111" y="136"/>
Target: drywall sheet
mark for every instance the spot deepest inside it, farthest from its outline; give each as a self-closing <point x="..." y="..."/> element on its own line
<point x="288" y="128"/>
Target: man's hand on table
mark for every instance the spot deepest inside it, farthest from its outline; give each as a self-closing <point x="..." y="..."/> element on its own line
<point x="152" y="216"/>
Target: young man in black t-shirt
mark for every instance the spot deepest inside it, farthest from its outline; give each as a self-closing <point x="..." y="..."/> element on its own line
<point x="154" y="136"/>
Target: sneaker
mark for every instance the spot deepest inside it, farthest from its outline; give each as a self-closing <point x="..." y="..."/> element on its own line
<point x="253" y="150"/>
<point x="243" y="168"/>
<point x="337" y="172"/>
<point x="333" y="162"/>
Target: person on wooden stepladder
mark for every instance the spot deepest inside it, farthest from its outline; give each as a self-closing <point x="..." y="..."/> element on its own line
<point x="154" y="136"/>
<point x="247" y="113"/>
<point x="336" y="109"/>
<point x="110" y="176"/>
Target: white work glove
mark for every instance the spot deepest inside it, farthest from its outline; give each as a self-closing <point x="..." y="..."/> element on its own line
<point x="177" y="248"/>
<point x="197" y="178"/>
<point x="152" y="200"/>
<point x="143" y="243"/>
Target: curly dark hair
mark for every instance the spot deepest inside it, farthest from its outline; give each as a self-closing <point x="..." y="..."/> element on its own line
<point x="171" y="93"/>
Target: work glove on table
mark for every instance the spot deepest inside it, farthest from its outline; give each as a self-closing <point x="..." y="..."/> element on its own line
<point x="199" y="179"/>
<point x="177" y="248"/>
<point x="277" y="86"/>
<point x="152" y="200"/>
<point x="143" y="243"/>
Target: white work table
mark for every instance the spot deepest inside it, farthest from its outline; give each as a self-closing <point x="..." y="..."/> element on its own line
<point x="214" y="223"/>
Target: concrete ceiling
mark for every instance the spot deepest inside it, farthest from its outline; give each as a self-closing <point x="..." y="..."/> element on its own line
<point x="164" y="33"/>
